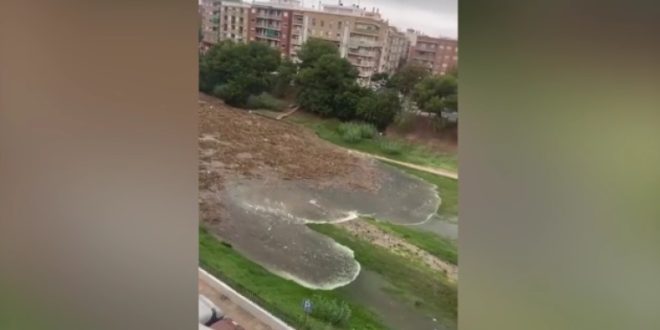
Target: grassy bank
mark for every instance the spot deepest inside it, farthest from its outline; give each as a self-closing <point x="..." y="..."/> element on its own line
<point x="281" y="297"/>
<point x="440" y="247"/>
<point x="415" y="282"/>
<point x="327" y="129"/>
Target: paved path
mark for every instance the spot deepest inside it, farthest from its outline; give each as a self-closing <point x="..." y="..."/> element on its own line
<point x="432" y="170"/>
<point x="237" y="307"/>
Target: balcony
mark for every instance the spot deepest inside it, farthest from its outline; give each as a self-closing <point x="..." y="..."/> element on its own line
<point x="268" y="36"/>
<point x="362" y="53"/>
<point x="355" y="43"/>
<point x="276" y="16"/>
<point x="274" y="27"/>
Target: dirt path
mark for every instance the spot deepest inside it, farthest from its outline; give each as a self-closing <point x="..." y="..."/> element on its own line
<point x="377" y="236"/>
<point x="432" y="170"/>
<point x="231" y="309"/>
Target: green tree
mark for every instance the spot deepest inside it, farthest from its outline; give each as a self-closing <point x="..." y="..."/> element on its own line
<point x="233" y="72"/>
<point x="328" y="87"/>
<point x="286" y="74"/>
<point x="314" y="49"/>
<point x="379" y="108"/>
<point x="406" y="78"/>
<point x="437" y="93"/>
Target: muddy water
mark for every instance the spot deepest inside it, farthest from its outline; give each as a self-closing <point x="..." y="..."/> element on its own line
<point x="441" y="225"/>
<point x="266" y="220"/>
<point x="371" y="289"/>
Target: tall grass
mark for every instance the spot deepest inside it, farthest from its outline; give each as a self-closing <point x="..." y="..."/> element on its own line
<point x="265" y="101"/>
<point x="353" y="132"/>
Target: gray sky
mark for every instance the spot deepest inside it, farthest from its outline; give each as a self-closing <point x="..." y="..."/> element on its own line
<point x="433" y="17"/>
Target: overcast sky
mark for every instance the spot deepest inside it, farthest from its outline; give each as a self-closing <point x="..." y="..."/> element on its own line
<point x="433" y="17"/>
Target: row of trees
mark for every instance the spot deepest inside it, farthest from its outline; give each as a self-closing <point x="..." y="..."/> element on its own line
<point x="323" y="82"/>
<point x="328" y="86"/>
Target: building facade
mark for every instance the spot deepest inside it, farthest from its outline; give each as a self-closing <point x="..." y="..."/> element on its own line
<point x="362" y="36"/>
<point x="394" y="51"/>
<point x="234" y="21"/>
<point x="271" y="23"/>
<point x="210" y="22"/>
<point x="440" y="55"/>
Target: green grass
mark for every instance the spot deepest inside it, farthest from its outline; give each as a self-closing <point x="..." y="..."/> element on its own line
<point x="440" y="247"/>
<point x="328" y="129"/>
<point x="425" y="288"/>
<point x="280" y="296"/>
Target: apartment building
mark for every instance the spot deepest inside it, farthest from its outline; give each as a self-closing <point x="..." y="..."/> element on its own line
<point x="438" y="54"/>
<point x="271" y="22"/>
<point x="210" y="22"/>
<point x="234" y="21"/>
<point x="361" y="35"/>
<point x="394" y="51"/>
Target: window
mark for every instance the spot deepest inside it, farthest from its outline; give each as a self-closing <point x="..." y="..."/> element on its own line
<point x="322" y="23"/>
<point x="338" y="25"/>
<point x="313" y="21"/>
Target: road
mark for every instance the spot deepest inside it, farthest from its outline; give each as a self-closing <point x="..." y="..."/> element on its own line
<point x="240" y="309"/>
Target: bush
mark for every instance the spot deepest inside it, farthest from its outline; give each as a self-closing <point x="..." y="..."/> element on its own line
<point x="379" y="109"/>
<point x="390" y="147"/>
<point x="337" y="312"/>
<point x="265" y="101"/>
<point x="367" y="131"/>
<point x="352" y="135"/>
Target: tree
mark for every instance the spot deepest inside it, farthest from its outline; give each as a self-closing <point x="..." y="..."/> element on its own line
<point x="233" y="72"/>
<point x="379" y="108"/>
<point x="328" y="87"/>
<point x="314" y="49"/>
<point x="437" y="93"/>
<point x="406" y="78"/>
<point x="286" y="74"/>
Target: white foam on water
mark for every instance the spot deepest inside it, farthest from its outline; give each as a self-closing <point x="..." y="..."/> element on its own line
<point x="322" y="286"/>
<point x="351" y="215"/>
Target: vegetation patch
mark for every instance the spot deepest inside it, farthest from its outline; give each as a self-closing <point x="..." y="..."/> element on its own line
<point x="434" y="244"/>
<point x="421" y="286"/>
<point x="265" y="101"/>
<point x="280" y="296"/>
<point x="329" y="130"/>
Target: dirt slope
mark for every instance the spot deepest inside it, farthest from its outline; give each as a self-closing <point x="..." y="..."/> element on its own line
<point x="237" y="142"/>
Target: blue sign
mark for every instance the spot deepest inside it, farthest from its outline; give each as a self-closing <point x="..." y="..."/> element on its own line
<point x="307" y="306"/>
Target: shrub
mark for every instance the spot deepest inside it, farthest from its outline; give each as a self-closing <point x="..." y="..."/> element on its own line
<point x="379" y="109"/>
<point x="405" y="121"/>
<point x="265" y="101"/>
<point x="352" y="134"/>
<point x="367" y="131"/>
<point x="390" y="147"/>
<point x="336" y="312"/>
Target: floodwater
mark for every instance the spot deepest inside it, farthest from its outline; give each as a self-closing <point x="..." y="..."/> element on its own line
<point x="371" y="289"/>
<point x="441" y="225"/>
<point x="266" y="222"/>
